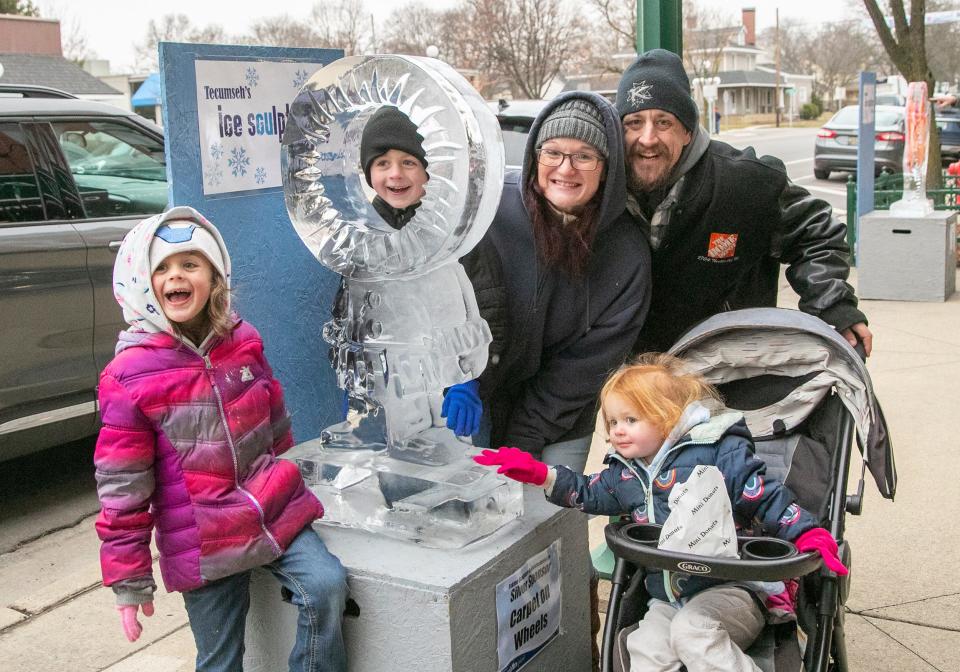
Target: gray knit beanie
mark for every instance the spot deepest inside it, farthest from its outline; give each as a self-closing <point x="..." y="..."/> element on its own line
<point x="579" y="119"/>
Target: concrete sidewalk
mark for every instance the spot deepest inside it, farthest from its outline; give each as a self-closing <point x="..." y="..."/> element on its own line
<point x="903" y="611"/>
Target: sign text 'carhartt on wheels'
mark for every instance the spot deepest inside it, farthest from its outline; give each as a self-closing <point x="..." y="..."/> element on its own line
<point x="528" y="609"/>
<point x="242" y="109"/>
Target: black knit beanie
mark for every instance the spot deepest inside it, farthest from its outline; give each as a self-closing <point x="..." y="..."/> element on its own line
<point x="389" y="128"/>
<point x="579" y="119"/>
<point x="657" y="81"/>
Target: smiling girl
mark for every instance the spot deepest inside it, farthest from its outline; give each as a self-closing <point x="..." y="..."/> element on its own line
<point x="193" y="422"/>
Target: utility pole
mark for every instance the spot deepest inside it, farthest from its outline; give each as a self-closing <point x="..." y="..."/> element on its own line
<point x="776" y="86"/>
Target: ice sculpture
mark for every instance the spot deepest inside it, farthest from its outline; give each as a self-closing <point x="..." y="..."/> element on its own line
<point x="915" y="202"/>
<point x="405" y="322"/>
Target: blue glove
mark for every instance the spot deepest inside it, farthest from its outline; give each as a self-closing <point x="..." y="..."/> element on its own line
<point x="462" y="408"/>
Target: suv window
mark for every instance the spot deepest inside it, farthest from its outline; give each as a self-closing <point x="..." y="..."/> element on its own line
<point x="19" y="192"/>
<point x="118" y="169"/>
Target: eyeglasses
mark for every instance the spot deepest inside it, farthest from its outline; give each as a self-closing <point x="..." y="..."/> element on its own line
<point x="579" y="160"/>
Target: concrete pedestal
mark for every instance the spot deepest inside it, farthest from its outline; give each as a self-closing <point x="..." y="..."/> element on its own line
<point x="907" y="258"/>
<point x="433" y="610"/>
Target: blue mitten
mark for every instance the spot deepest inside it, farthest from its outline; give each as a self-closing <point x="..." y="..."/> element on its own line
<point x="462" y="408"/>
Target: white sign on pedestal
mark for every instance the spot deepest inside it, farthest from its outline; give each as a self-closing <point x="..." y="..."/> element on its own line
<point x="528" y="609"/>
<point x="242" y="108"/>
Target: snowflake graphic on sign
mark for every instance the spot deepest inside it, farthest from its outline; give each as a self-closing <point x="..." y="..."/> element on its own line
<point x="299" y="78"/>
<point x="238" y="161"/>
<point x="260" y="175"/>
<point x="213" y="175"/>
<point x="252" y="77"/>
<point x="640" y="93"/>
<point x="216" y="151"/>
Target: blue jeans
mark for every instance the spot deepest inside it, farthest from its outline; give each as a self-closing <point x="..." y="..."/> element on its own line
<point x="318" y="583"/>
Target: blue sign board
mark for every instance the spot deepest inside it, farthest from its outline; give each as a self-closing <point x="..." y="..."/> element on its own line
<point x="223" y="112"/>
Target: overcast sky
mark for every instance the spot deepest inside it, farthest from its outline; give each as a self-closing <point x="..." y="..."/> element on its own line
<point x="113" y="28"/>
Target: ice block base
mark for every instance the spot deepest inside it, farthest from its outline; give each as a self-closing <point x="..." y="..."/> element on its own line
<point x="435" y="495"/>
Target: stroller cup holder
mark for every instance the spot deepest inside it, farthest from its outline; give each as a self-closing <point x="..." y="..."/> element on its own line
<point x="761" y="558"/>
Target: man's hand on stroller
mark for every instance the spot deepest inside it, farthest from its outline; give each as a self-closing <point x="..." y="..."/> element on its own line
<point x="859" y="333"/>
<point x="514" y="463"/>
<point x="820" y="540"/>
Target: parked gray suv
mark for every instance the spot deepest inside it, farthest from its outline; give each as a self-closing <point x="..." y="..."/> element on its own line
<point x="75" y="176"/>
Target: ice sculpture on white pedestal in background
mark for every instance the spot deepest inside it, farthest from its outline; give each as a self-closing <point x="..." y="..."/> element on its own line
<point x="405" y="322"/>
<point x="915" y="202"/>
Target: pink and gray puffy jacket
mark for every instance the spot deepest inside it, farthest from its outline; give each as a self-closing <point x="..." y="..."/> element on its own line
<point x="189" y="448"/>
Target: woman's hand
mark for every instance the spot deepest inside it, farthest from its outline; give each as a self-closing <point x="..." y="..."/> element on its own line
<point x="514" y="463"/>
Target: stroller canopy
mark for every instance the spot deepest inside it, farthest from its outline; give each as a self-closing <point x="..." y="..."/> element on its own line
<point x="745" y="344"/>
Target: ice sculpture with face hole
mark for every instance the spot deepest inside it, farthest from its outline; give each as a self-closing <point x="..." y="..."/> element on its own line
<point x="405" y="322"/>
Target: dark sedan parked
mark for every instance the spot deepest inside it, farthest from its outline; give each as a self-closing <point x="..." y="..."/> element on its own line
<point x="836" y="146"/>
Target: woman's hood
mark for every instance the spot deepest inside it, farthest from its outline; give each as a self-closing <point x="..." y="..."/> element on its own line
<point x="132" y="286"/>
<point x="614" y="186"/>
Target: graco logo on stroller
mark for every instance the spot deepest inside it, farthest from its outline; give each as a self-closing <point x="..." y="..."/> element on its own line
<point x="693" y="567"/>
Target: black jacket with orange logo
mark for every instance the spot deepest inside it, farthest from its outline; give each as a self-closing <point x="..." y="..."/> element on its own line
<point x="737" y="217"/>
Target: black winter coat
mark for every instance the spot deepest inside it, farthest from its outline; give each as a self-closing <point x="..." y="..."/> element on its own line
<point x="565" y="333"/>
<point x="737" y="218"/>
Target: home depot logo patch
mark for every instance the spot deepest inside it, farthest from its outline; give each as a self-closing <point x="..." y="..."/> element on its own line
<point x="722" y="245"/>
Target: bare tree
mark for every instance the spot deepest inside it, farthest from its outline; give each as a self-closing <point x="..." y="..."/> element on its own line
<point x="906" y="45"/>
<point x="708" y="32"/>
<point x="944" y="41"/>
<point x="73" y="41"/>
<point x="173" y="28"/>
<point x="342" y="24"/>
<point x="527" y="41"/>
<point x="618" y="21"/>
<point x="410" y="29"/>
<point x="283" y="31"/>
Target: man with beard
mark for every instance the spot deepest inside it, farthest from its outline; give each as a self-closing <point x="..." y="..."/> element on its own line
<point x="720" y="220"/>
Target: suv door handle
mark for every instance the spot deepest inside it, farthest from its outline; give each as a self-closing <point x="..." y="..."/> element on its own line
<point x="114" y="245"/>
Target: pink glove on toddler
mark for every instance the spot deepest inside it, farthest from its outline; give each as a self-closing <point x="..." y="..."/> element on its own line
<point x="820" y="540"/>
<point x="514" y="463"/>
<point x="128" y="618"/>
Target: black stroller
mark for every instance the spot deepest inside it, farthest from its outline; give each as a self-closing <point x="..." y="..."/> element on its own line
<point x="806" y="396"/>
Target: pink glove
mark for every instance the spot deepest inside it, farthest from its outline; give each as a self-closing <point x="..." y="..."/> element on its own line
<point x="818" y="539"/>
<point x="128" y="618"/>
<point x="515" y="464"/>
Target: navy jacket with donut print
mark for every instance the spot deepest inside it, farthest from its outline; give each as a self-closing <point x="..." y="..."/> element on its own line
<point x="762" y="505"/>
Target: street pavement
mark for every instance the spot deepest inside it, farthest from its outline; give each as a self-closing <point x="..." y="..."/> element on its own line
<point x="903" y="613"/>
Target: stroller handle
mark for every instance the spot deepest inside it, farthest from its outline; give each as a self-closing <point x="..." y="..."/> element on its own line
<point x="762" y="558"/>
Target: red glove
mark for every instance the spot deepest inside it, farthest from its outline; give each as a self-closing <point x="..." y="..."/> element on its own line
<point x="128" y="618"/>
<point x="818" y="539"/>
<point x="515" y="464"/>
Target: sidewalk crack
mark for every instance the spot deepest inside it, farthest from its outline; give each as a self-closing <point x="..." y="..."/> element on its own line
<point x="879" y="617"/>
<point x="887" y="634"/>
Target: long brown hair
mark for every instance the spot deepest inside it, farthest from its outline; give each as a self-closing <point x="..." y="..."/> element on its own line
<point x="565" y="246"/>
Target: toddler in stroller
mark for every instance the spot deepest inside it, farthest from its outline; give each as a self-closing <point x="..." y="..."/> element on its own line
<point x="663" y="422"/>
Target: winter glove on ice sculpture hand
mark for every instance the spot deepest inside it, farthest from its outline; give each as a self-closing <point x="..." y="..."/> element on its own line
<point x="462" y="408"/>
<point x="514" y="463"/>
<point x="820" y="540"/>
<point x="128" y="619"/>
